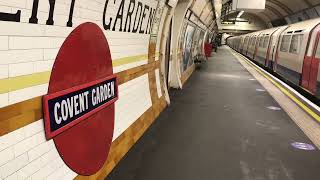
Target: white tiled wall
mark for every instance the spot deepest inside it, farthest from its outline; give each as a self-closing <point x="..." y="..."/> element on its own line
<point x="130" y="65"/>
<point x="20" y="56"/>
<point x="134" y="100"/>
<point x="4" y="71"/>
<point x="27" y="93"/>
<point x="25" y="153"/>
<point x="27" y="48"/>
<point x="4" y="100"/>
<point x="4" y="42"/>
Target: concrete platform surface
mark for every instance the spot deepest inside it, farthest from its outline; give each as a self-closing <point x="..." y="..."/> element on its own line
<point x="221" y="126"/>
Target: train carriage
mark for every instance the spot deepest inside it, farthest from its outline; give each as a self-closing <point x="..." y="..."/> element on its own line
<point x="273" y="46"/>
<point x="244" y="46"/>
<point x="268" y="40"/>
<point x="262" y="46"/>
<point x="310" y="70"/>
<point x="292" y="51"/>
<point x="252" y="47"/>
<point x="240" y="40"/>
<point x="247" y="45"/>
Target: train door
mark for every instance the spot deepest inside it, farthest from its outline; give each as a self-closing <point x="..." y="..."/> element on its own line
<point x="245" y="45"/>
<point x="248" y="46"/>
<point x="276" y="40"/>
<point x="256" y="47"/>
<point x="269" y="46"/>
<point x="313" y="68"/>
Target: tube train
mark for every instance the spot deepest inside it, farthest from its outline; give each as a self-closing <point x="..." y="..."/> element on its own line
<point x="292" y="52"/>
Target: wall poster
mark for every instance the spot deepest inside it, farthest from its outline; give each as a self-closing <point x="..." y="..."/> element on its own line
<point x="200" y="43"/>
<point x="187" y="46"/>
<point x="195" y="49"/>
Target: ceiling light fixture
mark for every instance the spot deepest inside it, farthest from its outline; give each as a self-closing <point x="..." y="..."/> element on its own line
<point x="240" y="14"/>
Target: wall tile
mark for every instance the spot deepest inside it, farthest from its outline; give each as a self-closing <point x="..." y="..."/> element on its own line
<point x="14" y="165"/>
<point x="40" y="150"/>
<point x="27" y="93"/>
<point x="21" y="69"/>
<point x="4" y="100"/>
<point x="20" y="56"/>
<point x="4" y="42"/>
<point x="6" y="155"/>
<point x="4" y="71"/>
<point x="11" y="139"/>
<point x="29" y="143"/>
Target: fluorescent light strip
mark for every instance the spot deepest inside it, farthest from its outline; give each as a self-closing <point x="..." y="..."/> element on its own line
<point x="240" y="14"/>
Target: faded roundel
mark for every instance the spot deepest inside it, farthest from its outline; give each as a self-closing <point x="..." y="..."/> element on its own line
<point x="79" y="108"/>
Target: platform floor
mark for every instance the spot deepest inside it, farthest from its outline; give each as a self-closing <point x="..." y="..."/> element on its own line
<point x="219" y="128"/>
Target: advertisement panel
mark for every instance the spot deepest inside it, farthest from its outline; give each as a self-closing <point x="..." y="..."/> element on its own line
<point x="187" y="46"/>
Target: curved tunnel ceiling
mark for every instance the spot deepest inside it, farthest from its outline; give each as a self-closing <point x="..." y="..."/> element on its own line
<point x="277" y="9"/>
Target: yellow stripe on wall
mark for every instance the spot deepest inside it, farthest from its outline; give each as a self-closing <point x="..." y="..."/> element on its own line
<point x="128" y="60"/>
<point x="21" y="82"/>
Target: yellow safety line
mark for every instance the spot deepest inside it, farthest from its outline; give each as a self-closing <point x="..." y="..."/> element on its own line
<point x="285" y="91"/>
<point x="25" y="81"/>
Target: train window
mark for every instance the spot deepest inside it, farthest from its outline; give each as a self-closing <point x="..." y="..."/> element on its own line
<point x="265" y="41"/>
<point x="318" y="52"/>
<point x="245" y="40"/>
<point x="249" y="41"/>
<point x="253" y="41"/>
<point x="296" y="41"/>
<point x="261" y="41"/>
<point x="285" y="43"/>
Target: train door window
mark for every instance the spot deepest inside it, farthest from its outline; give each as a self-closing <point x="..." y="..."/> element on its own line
<point x="295" y="44"/>
<point x="265" y="41"/>
<point x="284" y="47"/>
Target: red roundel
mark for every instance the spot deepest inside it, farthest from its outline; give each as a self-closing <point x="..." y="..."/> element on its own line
<point x="83" y="58"/>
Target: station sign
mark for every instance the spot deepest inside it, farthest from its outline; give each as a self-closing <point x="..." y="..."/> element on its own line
<point x="66" y="108"/>
<point x="79" y="108"/>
